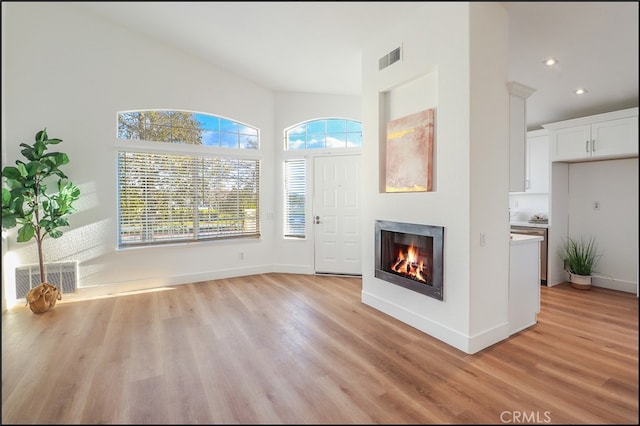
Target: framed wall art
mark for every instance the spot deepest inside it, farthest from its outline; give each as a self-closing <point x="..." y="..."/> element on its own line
<point x="409" y="156"/>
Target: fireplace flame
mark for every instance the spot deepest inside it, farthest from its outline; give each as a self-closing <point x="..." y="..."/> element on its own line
<point x="408" y="264"/>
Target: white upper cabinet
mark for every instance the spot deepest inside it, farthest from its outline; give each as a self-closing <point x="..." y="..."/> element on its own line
<point x="615" y="137"/>
<point x="597" y="137"/>
<point x="537" y="165"/>
<point x="518" y="94"/>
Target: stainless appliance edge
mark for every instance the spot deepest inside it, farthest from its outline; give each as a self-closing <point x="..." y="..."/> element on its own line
<point x="540" y="232"/>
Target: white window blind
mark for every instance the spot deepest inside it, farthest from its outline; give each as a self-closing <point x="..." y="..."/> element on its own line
<point x="167" y="198"/>
<point x="295" y="177"/>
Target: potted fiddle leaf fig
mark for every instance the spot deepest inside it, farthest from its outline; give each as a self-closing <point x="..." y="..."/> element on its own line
<point x="29" y="201"/>
<point x="580" y="258"/>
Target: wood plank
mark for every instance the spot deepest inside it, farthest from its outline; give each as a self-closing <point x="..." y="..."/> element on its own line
<point x="293" y="349"/>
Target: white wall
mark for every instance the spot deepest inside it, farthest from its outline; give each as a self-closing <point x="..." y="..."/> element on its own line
<point x="489" y="175"/>
<point x="3" y="138"/>
<point x="523" y="206"/>
<point x="96" y="69"/>
<point x="71" y="72"/>
<point x="462" y="47"/>
<point x="558" y="222"/>
<point x="614" y="184"/>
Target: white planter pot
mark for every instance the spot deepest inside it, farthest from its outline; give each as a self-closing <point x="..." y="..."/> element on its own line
<point x="583" y="282"/>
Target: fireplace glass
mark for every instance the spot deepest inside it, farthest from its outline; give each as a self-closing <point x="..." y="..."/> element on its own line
<point x="411" y="256"/>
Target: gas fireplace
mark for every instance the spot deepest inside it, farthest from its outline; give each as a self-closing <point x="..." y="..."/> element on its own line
<point x="410" y="256"/>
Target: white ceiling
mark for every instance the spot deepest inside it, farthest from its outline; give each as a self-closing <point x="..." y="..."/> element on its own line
<point x="314" y="47"/>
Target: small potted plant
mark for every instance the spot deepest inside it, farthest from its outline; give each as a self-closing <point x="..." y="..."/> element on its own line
<point x="580" y="257"/>
<point x="37" y="211"/>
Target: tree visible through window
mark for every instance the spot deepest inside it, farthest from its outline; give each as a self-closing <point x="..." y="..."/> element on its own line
<point x="167" y="197"/>
<point x="189" y="128"/>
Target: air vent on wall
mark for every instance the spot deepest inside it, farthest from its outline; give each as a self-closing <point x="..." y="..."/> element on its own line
<point x="389" y="58"/>
<point x="64" y="275"/>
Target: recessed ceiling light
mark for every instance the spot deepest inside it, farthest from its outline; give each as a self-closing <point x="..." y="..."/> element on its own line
<point x="550" y="62"/>
<point x="580" y="91"/>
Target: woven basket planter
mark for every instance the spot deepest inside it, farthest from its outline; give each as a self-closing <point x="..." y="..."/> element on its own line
<point x="582" y="282"/>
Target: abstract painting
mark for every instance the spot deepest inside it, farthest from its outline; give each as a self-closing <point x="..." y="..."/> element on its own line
<point x="409" y="159"/>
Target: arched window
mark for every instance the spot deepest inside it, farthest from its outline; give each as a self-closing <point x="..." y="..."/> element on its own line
<point x="194" y="195"/>
<point x="324" y="133"/>
<point x="184" y="127"/>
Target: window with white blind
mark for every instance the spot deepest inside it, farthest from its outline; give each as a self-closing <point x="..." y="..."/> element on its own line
<point x="169" y="197"/>
<point x="295" y="179"/>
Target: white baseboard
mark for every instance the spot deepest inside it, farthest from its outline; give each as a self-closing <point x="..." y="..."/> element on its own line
<point x="614" y="284"/>
<point x="463" y="342"/>
<point x="150" y="283"/>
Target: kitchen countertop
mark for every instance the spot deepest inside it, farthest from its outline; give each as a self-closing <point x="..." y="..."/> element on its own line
<point x="524" y="239"/>
<point x="532" y="225"/>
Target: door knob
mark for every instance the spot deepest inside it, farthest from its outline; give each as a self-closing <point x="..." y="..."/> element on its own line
<point x="317" y="219"/>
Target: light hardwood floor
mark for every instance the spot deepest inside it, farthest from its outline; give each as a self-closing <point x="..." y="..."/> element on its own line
<point x="301" y="349"/>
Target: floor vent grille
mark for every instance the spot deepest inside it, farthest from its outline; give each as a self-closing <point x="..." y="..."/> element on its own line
<point x="64" y="275"/>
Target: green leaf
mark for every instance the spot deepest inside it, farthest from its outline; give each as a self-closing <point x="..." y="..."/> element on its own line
<point x="9" y="220"/>
<point x="26" y="233"/>
<point x="22" y="168"/>
<point x="54" y="141"/>
<point x="39" y="148"/>
<point x="41" y="135"/>
<point x="24" y="213"/>
<point x="49" y="163"/>
<point x="13" y="184"/>
<point x="69" y="189"/>
<point x="11" y="172"/>
<point x="59" y="173"/>
<point x="34" y="167"/>
<point x="63" y="221"/>
<point x="72" y="190"/>
<point x="30" y="185"/>
<point x="29" y="152"/>
<point x="54" y="233"/>
<point x="61" y="158"/>
<point x="6" y="197"/>
<point x="17" y="202"/>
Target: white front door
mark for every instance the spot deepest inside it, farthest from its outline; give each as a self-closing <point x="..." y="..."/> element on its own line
<point x="336" y="215"/>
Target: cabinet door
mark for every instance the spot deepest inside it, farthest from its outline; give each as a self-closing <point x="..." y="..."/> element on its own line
<point x="615" y="138"/>
<point x="524" y="286"/>
<point x="571" y="143"/>
<point x="538" y="164"/>
<point x="517" y="142"/>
